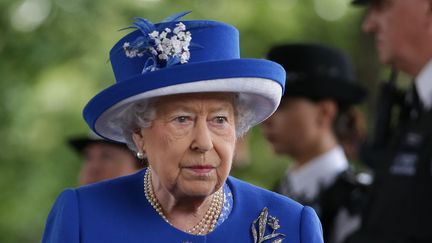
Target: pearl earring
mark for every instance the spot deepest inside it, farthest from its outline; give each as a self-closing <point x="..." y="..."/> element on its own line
<point x="140" y="155"/>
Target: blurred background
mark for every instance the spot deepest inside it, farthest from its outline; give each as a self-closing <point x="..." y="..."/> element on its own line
<point x="54" y="58"/>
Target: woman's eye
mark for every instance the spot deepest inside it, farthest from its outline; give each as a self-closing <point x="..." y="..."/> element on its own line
<point x="221" y="119"/>
<point x="181" y="119"/>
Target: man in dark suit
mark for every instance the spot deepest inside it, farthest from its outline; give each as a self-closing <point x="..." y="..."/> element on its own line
<point x="401" y="206"/>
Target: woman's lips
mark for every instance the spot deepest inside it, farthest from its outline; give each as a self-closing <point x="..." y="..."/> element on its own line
<point x="201" y="169"/>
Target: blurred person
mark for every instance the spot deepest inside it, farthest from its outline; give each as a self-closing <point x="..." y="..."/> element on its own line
<point x="242" y="154"/>
<point x="350" y="130"/>
<point x="182" y="98"/>
<point x="401" y="206"/>
<point x="103" y="159"/>
<point x="315" y="112"/>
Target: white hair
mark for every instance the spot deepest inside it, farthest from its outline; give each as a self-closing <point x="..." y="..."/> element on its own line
<point x="140" y="115"/>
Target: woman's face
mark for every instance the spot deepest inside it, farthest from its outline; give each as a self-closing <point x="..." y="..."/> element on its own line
<point x="190" y="144"/>
<point x="105" y="161"/>
<point x="294" y="128"/>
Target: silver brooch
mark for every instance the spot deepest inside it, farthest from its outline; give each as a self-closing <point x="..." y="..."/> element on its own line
<point x="259" y="228"/>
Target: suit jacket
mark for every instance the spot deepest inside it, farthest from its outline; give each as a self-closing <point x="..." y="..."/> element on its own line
<point x="118" y="211"/>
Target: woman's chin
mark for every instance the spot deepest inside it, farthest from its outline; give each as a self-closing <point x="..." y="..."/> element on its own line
<point x="199" y="189"/>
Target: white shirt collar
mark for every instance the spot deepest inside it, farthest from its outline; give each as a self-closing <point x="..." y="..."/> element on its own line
<point x="320" y="172"/>
<point x="424" y="85"/>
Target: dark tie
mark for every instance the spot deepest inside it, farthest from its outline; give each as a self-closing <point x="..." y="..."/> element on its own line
<point x="413" y="103"/>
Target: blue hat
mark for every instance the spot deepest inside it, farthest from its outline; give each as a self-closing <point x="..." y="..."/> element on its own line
<point x="177" y="57"/>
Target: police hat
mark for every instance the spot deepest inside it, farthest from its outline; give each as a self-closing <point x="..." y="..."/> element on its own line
<point x="79" y="143"/>
<point x="361" y="2"/>
<point x="318" y="72"/>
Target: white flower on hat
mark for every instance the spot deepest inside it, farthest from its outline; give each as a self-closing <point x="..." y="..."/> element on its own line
<point x="179" y="28"/>
<point x="174" y="45"/>
<point x="184" y="57"/>
<point x="166" y="47"/>
<point x="129" y="52"/>
<point x="153" y="51"/>
<point x="154" y="34"/>
<point x="163" y="56"/>
<point x="163" y="35"/>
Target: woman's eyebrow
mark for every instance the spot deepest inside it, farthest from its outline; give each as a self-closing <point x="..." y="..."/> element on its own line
<point x="220" y="109"/>
<point x="180" y="109"/>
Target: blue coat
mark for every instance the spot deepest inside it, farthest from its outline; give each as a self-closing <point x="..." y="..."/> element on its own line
<point x="117" y="211"/>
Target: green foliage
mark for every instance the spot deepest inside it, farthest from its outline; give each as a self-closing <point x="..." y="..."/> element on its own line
<point x="50" y="70"/>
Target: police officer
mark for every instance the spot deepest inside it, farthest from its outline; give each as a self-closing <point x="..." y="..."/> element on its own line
<point x="315" y="112"/>
<point x="103" y="159"/>
<point x="401" y="206"/>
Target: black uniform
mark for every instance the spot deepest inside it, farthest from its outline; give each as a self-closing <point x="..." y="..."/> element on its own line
<point x="347" y="192"/>
<point x="318" y="72"/>
<point x="401" y="206"/>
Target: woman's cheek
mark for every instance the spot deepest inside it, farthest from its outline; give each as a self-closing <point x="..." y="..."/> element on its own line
<point x="178" y="131"/>
<point x="227" y="131"/>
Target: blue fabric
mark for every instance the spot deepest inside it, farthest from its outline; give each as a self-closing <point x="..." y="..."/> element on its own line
<point x="63" y="222"/>
<point x="217" y="41"/>
<point x="218" y="57"/>
<point x="227" y="205"/>
<point x="117" y="211"/>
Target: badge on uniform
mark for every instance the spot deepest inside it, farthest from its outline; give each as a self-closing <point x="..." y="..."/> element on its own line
<point x="413" y="140"/>
<point x="404" y="164"/>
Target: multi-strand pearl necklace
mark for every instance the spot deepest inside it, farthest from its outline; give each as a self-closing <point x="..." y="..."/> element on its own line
<point x="205" y="225"/>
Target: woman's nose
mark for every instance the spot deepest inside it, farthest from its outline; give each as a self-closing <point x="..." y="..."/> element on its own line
<point x="202" y="140"/>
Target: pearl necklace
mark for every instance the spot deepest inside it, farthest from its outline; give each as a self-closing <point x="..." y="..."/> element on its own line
<point x="205" y="225"/>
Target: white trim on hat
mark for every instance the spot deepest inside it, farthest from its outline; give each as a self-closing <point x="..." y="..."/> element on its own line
<point x="261" y="95"/>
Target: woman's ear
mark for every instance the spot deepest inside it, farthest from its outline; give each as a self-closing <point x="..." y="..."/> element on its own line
<point x="138" y="139"/>
<point x="328" y="111"/>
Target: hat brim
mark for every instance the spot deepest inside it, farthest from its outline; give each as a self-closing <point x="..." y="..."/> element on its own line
<point x="345" y="93"/>
<point x="360" y="2"/>
<point x="79" y="144"/>
<point x="258" y="82"/>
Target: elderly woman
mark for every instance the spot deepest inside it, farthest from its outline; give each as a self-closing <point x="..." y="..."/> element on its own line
<point x="182" y="98"/>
